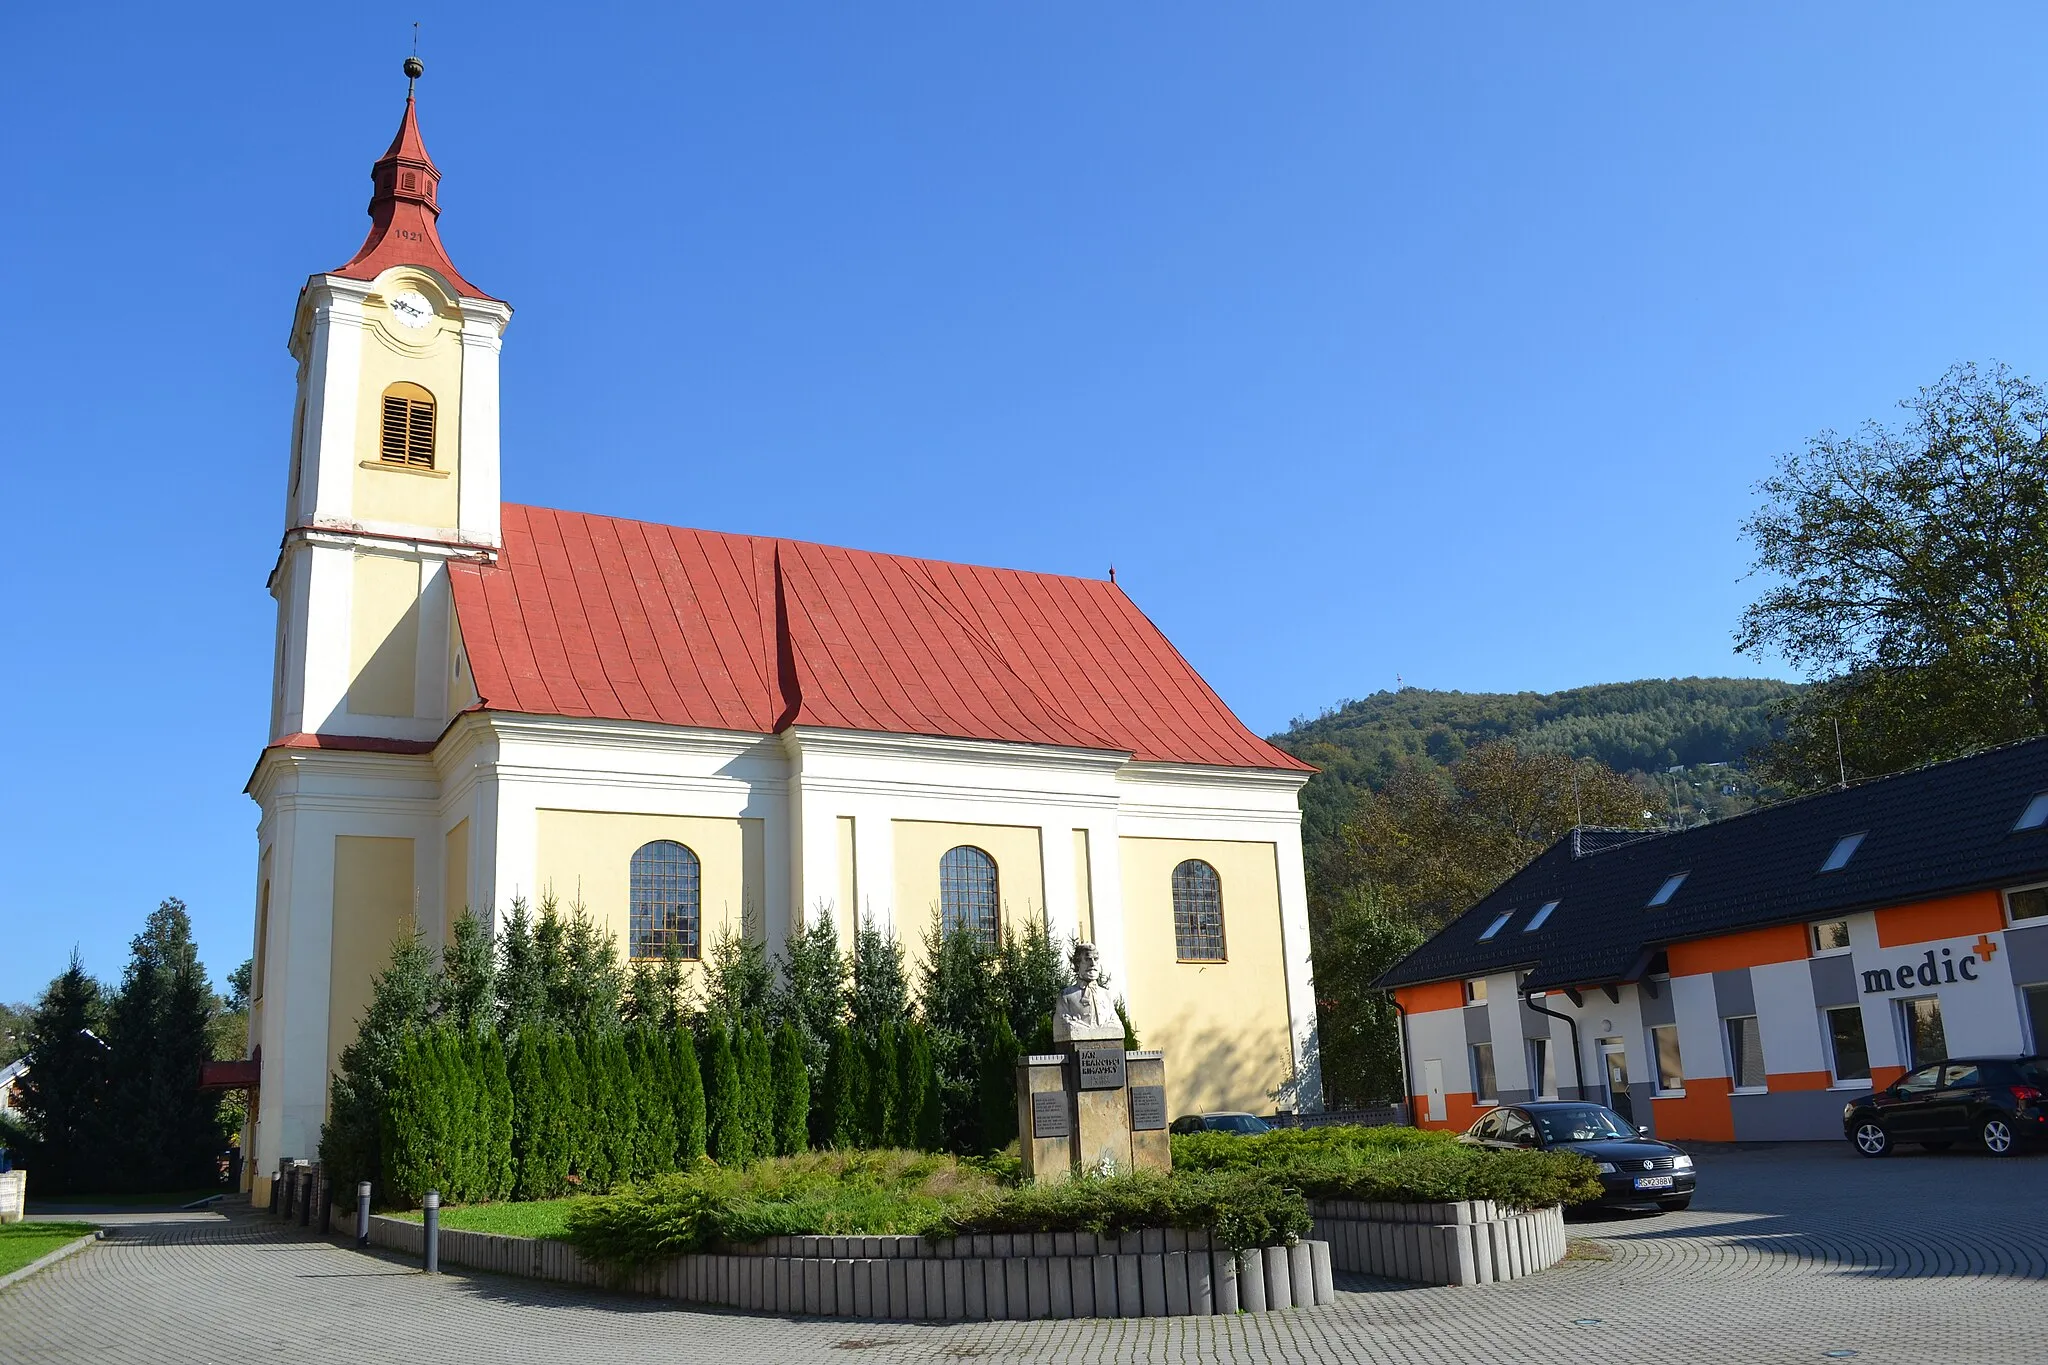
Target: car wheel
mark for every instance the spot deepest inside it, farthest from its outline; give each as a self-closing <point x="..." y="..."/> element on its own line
<point x="1871" y="1139"/>
<point x="1997" y="1136"/>
<point x="1937" y="1146"/>
<point x="1677" y="1205"/>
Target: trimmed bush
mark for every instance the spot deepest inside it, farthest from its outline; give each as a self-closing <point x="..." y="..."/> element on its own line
<point x="845" y="1090"/>
<point x="655" y="1141"/>
<point x="882" y="1124"/>
<point x="999" y="1087"/>
<point x="540" y="1148"/>
<point x="1243" y="1208"/>
<point x="792" y="1093"/>
<point x="727" y="1139"/>
<point x="687" y="1099"/>
<point x="1395" y="1165"/>
<point x="757" y="1084"/>
<point x="892" y="1192"/>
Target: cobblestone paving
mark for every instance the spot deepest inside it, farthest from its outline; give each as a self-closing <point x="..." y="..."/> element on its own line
<point x="1790" y="1252"/>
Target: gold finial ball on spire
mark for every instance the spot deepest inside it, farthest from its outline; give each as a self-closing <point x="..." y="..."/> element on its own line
<point x="414" y="68"/>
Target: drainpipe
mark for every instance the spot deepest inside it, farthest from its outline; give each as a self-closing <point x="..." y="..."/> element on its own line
<point x="1578" y="1065"/>
<point x="1407" y="1082"/>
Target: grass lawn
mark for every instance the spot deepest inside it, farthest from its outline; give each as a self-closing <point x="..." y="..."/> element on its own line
<point x="541" y="1218"/>
<point x="21" y="1243"/>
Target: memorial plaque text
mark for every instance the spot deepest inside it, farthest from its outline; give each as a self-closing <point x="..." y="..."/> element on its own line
<point x="1102" y="1068"/>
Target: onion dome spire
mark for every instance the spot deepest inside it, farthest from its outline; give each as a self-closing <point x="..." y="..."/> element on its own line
<point x="403" y="207"/>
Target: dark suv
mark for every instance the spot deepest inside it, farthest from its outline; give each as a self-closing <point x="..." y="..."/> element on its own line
<point x="1996" y="1102"/>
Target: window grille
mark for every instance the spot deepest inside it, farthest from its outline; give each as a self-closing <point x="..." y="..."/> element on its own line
<point x="968" y="896"/>
<point x="1197" y="912"/>
<point x="407" y="436"/>
<point x="667" y="894"/>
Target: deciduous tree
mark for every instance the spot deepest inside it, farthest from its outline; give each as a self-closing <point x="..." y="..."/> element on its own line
<point x="1907" y="570"/>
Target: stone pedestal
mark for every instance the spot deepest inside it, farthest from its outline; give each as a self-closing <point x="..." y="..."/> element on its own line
<point x="1092" y="1108"/>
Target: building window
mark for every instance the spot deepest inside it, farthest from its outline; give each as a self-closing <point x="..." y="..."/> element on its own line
<point x="1197" y="912"/>
<point x="1500" y="922"/>
<point x="667" y="901"/>
<point x="1668" y="889"/>
<point x="1542" y="914"/>
<point x="1846" y="1044"/>
<point x="1670" y="1070"/>
<point x="1830" y="936"/>
<point x="1845" y="849"/>
<point x="968" y="896"/>
<point x="1483" y="1088"/>
<point x="407" y="433"/>
<point x="1926" y="1042"/>
<point x="2035" y="815"/>
<point x="2025" y="904"/>
<point x="1542" y="1069"/>
<point x="1745" y="1052"/>
<point x="2035" y="998"/>
<point x="1475" y="990"/>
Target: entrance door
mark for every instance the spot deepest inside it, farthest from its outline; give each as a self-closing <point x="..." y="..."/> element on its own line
<point x="1433" y="1087"/>
<point x="1614" y="1059"/>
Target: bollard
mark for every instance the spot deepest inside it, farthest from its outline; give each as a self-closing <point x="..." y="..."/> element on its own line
<point x="433" y="1221"/>
<point x="305" y="1197"/>
<point x="362" y="1213"/>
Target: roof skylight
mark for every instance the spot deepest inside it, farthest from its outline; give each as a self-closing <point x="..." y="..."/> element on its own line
<point x="1500" y="922"/>
<point x="1844" y="851"/>
<point x="2036" y="813"/>
<point x="1542" y="914"/>
<point x="1669" y="889"/>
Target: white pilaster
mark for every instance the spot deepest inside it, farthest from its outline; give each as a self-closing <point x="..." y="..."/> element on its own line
<point x="483" y="328"/>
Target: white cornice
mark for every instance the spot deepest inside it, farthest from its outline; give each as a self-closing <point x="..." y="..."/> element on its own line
<point x="652" y="736"/>
<point x="278" y="766"/>
<point x="1206" y="775"/>
<point x="807" y="740"/>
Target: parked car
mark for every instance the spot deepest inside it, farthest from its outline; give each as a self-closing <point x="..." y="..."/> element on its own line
<point x="1222" y="1121"/>
<point x="1996" y="1102"/>
<point x="1635" y="1169"/>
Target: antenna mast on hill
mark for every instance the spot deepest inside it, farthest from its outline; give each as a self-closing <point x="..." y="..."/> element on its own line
<point x="1841" y="768"/>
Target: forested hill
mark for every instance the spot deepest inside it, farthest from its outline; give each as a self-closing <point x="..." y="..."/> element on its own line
<point x="1646" y="727"/>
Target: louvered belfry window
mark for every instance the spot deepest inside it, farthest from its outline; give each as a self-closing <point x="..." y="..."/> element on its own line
<point x="407" y="437"/>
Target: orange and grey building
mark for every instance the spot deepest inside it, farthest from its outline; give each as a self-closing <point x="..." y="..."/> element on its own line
<point x="1739" y="981"/>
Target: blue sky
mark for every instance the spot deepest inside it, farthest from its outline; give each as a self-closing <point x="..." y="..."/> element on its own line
<point x="1364" y="340"/>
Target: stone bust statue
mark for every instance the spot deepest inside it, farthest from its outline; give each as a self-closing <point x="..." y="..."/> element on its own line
<point x="1086" y="1010"/>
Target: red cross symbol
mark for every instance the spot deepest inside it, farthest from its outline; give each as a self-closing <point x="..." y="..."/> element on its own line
<point x="1984" y="947"/>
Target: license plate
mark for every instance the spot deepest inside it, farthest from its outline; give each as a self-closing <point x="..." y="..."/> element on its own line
<point x="1653" y="1182"/>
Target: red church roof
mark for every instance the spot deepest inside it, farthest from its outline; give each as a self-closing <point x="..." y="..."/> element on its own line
<point x="628" y="620"/>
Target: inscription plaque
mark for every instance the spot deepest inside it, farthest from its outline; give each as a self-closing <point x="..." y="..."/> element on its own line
<point x="1148" y="1108"/>
<point x="1102" y="1068"/>
<point x="1049" y="1114"/>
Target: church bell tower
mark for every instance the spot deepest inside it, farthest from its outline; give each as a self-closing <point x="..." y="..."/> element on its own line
<point x="393" y="477"/>
<point x="393" y="471"/>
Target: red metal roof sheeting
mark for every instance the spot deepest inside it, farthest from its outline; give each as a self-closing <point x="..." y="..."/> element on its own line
<point x="628" y="620"/>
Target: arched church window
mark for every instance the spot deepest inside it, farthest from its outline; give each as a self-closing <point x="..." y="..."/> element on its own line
<point x="407" y="437"/>
<point x="668" y="896"/>
<point x="1197" y="912"/>
<point x="968" y="898"/>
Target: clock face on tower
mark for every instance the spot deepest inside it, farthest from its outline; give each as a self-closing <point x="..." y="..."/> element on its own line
<point x="411" y="309"/>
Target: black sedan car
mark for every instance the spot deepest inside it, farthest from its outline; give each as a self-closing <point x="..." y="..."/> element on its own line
<point x="1635" y="1170"/>
<point x="1996" y="1102"/>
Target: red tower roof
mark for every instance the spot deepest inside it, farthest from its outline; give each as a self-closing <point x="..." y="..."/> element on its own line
<point x="403" y="211"/>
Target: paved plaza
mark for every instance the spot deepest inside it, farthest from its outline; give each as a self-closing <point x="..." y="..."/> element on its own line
<point x="1790" y="1252"/>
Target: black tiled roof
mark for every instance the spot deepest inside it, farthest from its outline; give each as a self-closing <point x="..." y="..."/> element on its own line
<point x="1939" y="830"/>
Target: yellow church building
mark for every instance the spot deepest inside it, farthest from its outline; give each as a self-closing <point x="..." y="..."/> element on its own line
<point x="475" y="701"/>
